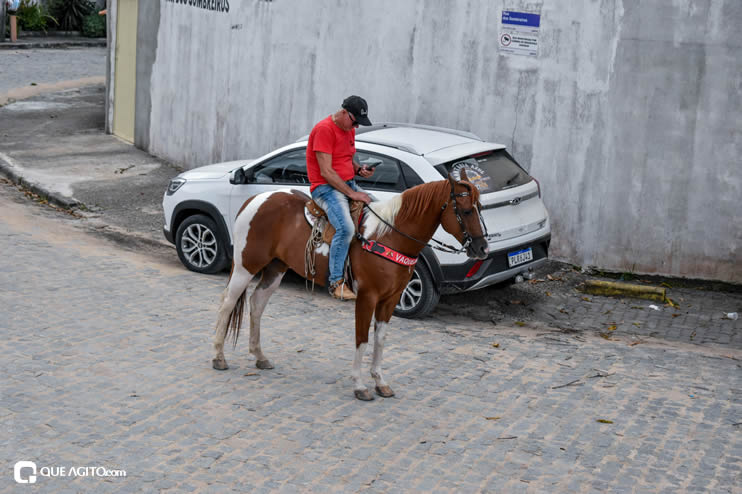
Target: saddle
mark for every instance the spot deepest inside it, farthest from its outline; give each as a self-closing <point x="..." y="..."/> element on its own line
<point x="322" y="232"/>
<point x="317" y="217"/>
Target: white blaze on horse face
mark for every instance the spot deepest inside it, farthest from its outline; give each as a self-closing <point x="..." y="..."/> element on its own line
<point x="379" y="337"/>
<point x="243" y="220"/>
<point x="323" y="250"/>
<point x="388" y="210"/>
<point x="357" y="381"/>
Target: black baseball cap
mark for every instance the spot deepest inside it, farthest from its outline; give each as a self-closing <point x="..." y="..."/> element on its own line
<point x="357" y="107"/>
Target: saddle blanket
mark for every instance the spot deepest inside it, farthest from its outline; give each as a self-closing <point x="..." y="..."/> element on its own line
<point x="313" y="214"/>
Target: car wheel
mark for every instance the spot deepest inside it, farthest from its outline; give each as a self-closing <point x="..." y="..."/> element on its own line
<point x="420" y="296"/>
<point x="199" y="245"/>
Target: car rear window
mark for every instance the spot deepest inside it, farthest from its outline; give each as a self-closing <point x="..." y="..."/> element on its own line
<point x="490" y="171"/>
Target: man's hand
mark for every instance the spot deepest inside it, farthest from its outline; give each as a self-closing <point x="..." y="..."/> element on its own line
<point x="360" y="196"/>
<point x="365" y="172"/>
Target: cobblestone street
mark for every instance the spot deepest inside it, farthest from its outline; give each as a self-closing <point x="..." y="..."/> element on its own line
<point x="106" y="361"/>
<point x="24" y="68"/>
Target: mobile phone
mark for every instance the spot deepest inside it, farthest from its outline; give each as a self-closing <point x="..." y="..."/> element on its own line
<point x="372" y="165"/>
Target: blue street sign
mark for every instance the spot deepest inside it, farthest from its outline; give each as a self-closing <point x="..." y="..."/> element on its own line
<point x="521" y="19"/>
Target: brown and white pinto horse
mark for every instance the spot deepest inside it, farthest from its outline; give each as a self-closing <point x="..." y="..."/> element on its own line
<point x="270" y="235"/>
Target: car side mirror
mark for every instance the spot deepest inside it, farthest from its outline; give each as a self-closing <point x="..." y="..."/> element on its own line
<point x="240" y="176"/>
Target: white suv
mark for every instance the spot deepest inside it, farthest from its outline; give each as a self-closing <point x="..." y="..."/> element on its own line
<point x="200" y="205"/>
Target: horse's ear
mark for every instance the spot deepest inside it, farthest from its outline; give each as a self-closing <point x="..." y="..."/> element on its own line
<point x="451" y="180"/>
<point x="463" y="175"/>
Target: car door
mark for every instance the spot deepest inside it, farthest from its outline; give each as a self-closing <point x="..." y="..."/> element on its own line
<point x="286" y="170"/>
<point x="389" y="178"/>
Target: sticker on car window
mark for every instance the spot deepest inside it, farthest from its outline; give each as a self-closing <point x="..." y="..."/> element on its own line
<point x="474" y="173"/>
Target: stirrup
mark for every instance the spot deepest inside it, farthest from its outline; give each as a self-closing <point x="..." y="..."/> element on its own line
<point x="346" y="293"/>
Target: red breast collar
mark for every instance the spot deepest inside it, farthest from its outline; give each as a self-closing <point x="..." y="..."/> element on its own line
<point x="389" y="254"/>
<point x="382" y="250"/>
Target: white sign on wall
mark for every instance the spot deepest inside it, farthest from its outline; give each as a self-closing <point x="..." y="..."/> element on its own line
<point x="519" y="33"/>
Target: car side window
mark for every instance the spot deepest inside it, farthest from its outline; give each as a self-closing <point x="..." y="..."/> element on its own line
<point x="410" y="176"/>
<point x="287" y="168"/>
<point x="387" y="174"/>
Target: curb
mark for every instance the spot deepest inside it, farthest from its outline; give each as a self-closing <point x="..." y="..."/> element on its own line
<point x="53" y="197"/>
<point x="615" y="289"/>
<point x="52" y="44"/>
<point x="107" y="230"/>
<point x="126" y="237"/>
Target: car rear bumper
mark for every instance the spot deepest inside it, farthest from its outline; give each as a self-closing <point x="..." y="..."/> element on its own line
<point x="494" y="269"/>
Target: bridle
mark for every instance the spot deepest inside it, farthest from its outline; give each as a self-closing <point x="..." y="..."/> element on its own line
<point x="468" y="239"/>
<point x="452" y="199"/>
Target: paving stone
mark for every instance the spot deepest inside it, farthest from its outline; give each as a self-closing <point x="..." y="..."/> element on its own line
<point x="84" y="386"/>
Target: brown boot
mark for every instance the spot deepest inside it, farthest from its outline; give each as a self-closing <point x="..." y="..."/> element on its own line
<point x="341" y="291"/>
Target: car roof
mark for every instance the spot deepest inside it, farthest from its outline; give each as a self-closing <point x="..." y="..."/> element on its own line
<point x="436" y="144"/>
<point x="413" y="138"/>
<point x="422" y="140"/>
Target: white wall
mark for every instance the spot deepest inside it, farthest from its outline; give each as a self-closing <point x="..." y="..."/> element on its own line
<point x="631" y="116"/>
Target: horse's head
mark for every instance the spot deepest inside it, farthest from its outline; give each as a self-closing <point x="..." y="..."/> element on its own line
<point x="461" y="217"/>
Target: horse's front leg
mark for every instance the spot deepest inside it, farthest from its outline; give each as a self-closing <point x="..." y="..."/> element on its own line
<point x="384" y="311"/>
<point x="364" y="313"/>
<point x="382" y="388"/>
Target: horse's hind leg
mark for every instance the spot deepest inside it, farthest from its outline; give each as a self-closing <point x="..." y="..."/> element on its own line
<point x="238" y="281"/>
<point x="269" y="281"/>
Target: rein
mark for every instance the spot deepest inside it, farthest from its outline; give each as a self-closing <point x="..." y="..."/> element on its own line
<point x="443" y="247"/>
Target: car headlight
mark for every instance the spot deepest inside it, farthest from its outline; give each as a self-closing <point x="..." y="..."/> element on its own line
<point x="174" y="185"/>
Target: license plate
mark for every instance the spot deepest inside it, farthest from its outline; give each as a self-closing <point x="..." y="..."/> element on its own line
<point x="515" y="258"/>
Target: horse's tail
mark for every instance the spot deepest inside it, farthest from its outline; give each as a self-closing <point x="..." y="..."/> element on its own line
<point x="234" y="323"/>
<point x="235" y="318"/>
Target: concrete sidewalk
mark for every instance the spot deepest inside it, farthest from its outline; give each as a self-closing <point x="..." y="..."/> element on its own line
<point x="55" y="145"/>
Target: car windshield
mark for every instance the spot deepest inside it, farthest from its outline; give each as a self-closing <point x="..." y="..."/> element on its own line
<point x="490" y="171"/>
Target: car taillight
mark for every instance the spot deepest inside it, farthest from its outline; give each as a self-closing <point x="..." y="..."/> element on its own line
<point x="539" y="187"/>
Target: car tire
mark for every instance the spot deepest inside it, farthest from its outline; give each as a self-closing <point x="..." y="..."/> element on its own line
<point x="420" y="296"/>
<point x="199" y="245"/>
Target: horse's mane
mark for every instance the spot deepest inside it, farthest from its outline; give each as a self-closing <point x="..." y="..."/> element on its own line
<point x="406" y="207"/>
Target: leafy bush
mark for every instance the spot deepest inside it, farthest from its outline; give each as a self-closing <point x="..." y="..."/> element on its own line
<point x="94" y="26"/>
<point x="33" y="17"/>
<point x="70" y="13"/>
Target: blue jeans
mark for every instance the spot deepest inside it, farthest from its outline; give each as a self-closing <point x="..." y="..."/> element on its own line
<point x="337" y="207"/>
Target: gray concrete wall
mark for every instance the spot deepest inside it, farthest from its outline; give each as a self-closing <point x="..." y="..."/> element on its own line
<point x="631" y="115"/>
<point x="148" y="20"/>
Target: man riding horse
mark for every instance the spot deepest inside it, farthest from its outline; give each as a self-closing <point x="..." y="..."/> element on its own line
<point x="331" y="168"/>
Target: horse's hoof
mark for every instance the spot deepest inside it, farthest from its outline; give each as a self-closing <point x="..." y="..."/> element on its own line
<point x="219" y="364"/>
<point x="263" y="364"/>
<point x="384" y="391"/>
<point x="363" y="395"/>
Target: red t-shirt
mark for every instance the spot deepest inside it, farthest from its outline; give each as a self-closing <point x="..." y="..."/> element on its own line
<point x="326" y="137"/>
